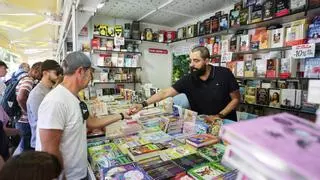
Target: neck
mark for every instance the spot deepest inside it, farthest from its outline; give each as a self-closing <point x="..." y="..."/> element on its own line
<point x="47" y="83"/>
<point x="70" y="84"/>
<point x="206" y="74"/>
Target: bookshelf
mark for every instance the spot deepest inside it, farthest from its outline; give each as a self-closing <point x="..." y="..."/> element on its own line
<point x="279" y="108"/>
<point x="263" y="50"/>
<point x="96" y="51"/>
<point x="112" y="38"/>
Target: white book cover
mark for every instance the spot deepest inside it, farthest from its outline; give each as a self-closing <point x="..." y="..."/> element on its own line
<point x="288" y="67"/>
<point x="114" y="59"/>
<point x="225" y="44"/>
<point x="135" y="61"/>
<point x="298" y="98"/>
<point x="120" y="62"/>
<point x="288" y="97"/>
<point x="261" y="67"/>
<point x="100" y="61"/>
<point x="244" y="42"/>
<point x="277" y="38"/>
<point x="104" y="77"/>
<point x="240" y="69"/>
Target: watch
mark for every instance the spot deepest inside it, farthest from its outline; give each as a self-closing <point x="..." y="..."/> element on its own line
<point x="144" y="104"/>
<point x="221" y="115"/>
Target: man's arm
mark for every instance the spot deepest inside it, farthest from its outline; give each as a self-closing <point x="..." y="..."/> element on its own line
<point x="163" y="94"/>
<point x="50" y="142"/>
<point x="22" y="98"/>
<point x="233" y="104"/>
<point x="95" y="123"/>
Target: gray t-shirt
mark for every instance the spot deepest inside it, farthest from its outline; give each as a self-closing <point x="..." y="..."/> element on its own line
<point x="34" y="100"/>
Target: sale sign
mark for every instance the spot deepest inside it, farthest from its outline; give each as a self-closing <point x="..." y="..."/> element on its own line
<point x="303" y="51"/>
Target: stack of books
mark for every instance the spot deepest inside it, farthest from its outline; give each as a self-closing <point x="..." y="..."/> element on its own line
<point x="280" y="146"/>
<point x="201" y="140"/>
<point x="145" y="151"/>
<point x="171" y="124"/>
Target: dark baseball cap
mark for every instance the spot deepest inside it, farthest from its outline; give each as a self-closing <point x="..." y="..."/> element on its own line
<point x="75" y="60"/>
<point x="3" y="64"/>
<point x="51" y="65"/>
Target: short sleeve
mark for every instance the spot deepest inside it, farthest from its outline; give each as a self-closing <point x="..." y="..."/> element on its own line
<point x="233" y="84"/>
<point x="182" y="84"/>
<point x="51" y="115"/>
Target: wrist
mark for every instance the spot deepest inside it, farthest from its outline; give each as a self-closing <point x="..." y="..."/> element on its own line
<point x="144" y="104"/>
<point x="221" y="115"/>
<point x="122" y="116"/>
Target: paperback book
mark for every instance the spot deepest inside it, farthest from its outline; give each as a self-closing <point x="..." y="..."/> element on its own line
<point x="208" y="171"/>
<point x="277" y="38"/>
<point x="240" y="69"/>
<point x="177" y="152"/>
<point x="288" y="68"/>
<point x="262" y="96"/>
<point x="250" y="95"/>
<point x="124" y="172"/>
<point x="145" y="151"/>
<point x="282" y="8"/>
<point x="212" y="153"/>
<point x="272" y="68"/>
<point x="234" y="18"/>
<point x="190" y="161"/>
<point x="268" y="10"/>
<point x="256" y="14"/>
<point x="305" y="105"/>
<point x="312" y="68"/>
<point x="164" y="170"/>
<point x="261" y="67"/>
<point x="224" y="22"/>
<point x="288" y="97"/>
<point x="274" y="97"/>
<point x="244" y="42"/>
<point x="214" y="24"/>
<point x="249" y="68"/>
<point x="244" y="16"/>
<point x="201" y="140"/>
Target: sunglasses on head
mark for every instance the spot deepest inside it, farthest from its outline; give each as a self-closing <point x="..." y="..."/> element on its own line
<point x="84" y="110"/>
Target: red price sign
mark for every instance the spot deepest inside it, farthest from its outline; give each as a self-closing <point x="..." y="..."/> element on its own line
<point x="158" y="51"/>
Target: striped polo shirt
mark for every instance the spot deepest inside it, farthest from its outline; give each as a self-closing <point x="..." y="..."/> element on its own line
<point x="26" y="83"/>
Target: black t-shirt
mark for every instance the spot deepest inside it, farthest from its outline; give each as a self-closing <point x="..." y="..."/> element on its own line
<point x="211" y="96"/>
<point x="4" y="143"/>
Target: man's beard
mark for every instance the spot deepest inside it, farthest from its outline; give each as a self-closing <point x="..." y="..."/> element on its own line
<point x="197" y="73"/>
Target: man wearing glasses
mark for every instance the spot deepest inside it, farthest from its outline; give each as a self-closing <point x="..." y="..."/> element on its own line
<point x="50" y="70"/>
<point x="61" y="124"/>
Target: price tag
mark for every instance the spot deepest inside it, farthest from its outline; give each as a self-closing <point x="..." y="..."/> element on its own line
<point x="226" y="56"/>
<point x="118" y="41"/>
<point x="303" y="51"/>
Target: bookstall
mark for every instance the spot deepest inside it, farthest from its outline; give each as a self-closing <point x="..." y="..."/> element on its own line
<point x="271" y="47"/>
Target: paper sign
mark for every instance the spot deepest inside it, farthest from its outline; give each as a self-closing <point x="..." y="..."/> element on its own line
<point x="303" y="51"/>
<point x="158" y="51"/>
<point x="226" y="57"/>
<point x="314" y="92"/>
<point x="118" y="41"/>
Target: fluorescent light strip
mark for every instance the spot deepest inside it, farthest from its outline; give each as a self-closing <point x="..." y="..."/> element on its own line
<point x="18" y="14"/>
<point x="153" y="11"/>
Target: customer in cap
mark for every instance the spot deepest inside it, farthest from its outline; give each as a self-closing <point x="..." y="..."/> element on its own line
<point x="23" y="89"/>
<point x="63" y="118"/>
<point x="50" y="71"/>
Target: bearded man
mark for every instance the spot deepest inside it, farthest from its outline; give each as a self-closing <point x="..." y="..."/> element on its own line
<point x="211" y="90"/>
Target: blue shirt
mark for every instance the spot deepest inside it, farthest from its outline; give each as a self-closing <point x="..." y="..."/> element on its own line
<point x="34" y="100"/>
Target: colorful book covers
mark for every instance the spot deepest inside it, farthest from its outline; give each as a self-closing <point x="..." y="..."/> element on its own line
<point x="208" y="171"/>
<point x="124" y="172"/>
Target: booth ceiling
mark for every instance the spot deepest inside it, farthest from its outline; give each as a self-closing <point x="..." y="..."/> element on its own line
<point x="29" y="27"/>
<point x="163" y="12"/>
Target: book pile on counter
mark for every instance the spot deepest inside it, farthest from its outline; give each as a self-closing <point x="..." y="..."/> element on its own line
<point x="280" y="146"/>
<point x="160" y="149"/>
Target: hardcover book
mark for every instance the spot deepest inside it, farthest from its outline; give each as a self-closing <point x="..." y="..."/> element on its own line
<point x="262" y="96"/>
<point x="201" y="140"/>
<point x="123" y="172"/>
<point x="240" y="69"/>
<point x="213" y="152"/>
<point x="261" y="67"/>
<point x="312" y="68"/>
<point x="288" y="68"/>
<point x="277" y="38"/>
<point x="250" y="95"/>
<point x="282" y="8"/>
<point x="288" y="97"/>
<point x="234" y="18"/>
<point x="208" y="171"/>
<point x="268" y="9"/>
<point x="279" y="137"/>
<point x="272" y="68"/>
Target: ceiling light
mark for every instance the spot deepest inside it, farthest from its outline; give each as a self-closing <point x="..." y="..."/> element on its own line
<point x="101" y="4"/>
<point x="18" y="14"/>
<point x="34" y="51"/>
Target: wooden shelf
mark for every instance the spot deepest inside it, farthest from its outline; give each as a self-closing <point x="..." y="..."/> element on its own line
<point x="97" y="51"/>
<point x="279" y="108"/>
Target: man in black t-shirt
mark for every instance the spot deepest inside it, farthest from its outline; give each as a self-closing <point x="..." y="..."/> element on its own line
<point x="211" y="90"/>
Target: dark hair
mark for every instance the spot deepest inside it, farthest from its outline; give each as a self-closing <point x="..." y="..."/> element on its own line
<point x="31" y="165"/>
<point x="204" y="52"/>
<point x="36" y="66"/>
<point x="278" y="96"/>
<point x="3" y="64"/>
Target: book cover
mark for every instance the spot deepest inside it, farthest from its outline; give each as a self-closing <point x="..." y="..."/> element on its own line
<point x="232" y="66"/>
<point x="242" y="90"/>
<point x="261" y="67"/>
<point x="240" y="69"/>
<point x="288" y="68"/>
<point x="297" y="5"/>
<point x="312" y="68"/>
<point x="244" y="16"/>
<point x="172" y="144"/>
<point x="214" y="24"/>
<point x="277" y="38"/>
<point x="296" y="34"/>
<point x="272" y="68"/>
<point x="256" y="14"/>
<point x="282" y="8"/>
<point x="250" y="2"/>
<point x="274" y="97"/>
<point x="249" y="68"/>
<point x="262" y="96"/>
<point x="202" y="140"/>
<point x="305" y="105"/>
<point x="268" y="9"/>
<point x="212" y="153"/>
<point x="234" y="44"/>
<point x="244" y="42"/>
<point x="120" y="62"/>
<point x="177" y="152"/>
<point x="145" y="151"/>
<point x="224" y="22"/>
<point x="122" y="172"/>
<point x="250" y="95"/>
<point x="264" y="39"/>
<point x="234" y="18"/>
<point x="207" y="26"/>
<point x="314" y="33"/>
<point x="288" y="97"/>
<point x="298" y="98"/>
<point x="156" y="137"/>
<point x="164" y="170"/>
<point x="208" y="171"/>
<point x="190" y="116"/>
<point x="280" y="137"/>
<point x="190" y="161"/>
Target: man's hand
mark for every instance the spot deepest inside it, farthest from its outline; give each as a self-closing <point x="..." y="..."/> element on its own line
<point x="134" y="109"/>
<point x="212" y="119"/>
